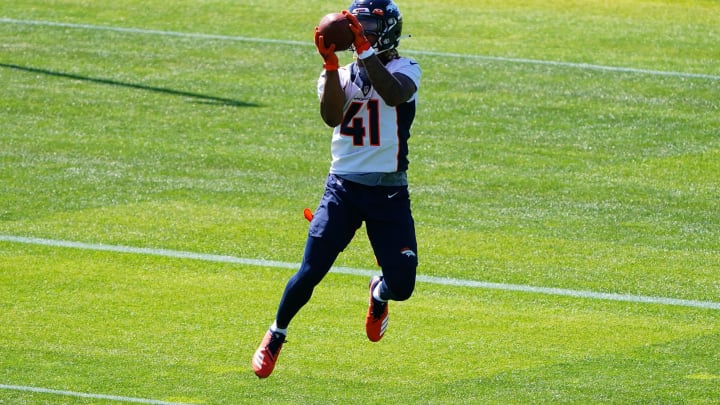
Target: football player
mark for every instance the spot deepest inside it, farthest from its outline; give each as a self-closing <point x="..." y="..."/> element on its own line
<point x="371" y="105"/>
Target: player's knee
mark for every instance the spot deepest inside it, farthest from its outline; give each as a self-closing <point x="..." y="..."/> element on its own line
<point x="402" y="291"/>
<point x="400" y="277"/>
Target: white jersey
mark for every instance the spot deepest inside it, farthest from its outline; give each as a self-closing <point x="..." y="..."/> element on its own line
<point x="372" y="137"/>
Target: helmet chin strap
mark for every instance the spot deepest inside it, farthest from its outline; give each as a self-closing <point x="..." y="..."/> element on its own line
<point x="393" y="48"/>
<point x="390" y="49"/>
<point x="355" y="55"/>
<point x="377" y="52"/>
<point x="385" y="56"/>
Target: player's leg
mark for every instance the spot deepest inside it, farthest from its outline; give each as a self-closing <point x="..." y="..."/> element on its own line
<point x="317" y="260"/>
<point x="319" y="256"/>
<point x="331" y="229"/>
<point x="392" y="235"/>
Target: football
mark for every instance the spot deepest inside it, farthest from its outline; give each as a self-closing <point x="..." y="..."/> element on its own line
<point x="335" y="29"/>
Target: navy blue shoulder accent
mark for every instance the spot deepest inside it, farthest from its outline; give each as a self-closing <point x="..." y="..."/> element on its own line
<point x="405" y="118"/>
<point x="353" y="71"/>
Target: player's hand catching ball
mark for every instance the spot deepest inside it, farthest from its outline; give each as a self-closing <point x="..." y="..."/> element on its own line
<point x="328" y="53"/>
<point x="362" y="45"/>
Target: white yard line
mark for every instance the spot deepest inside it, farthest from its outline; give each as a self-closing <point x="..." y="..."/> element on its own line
<point x="363" y="272"/>
<point x="22" y="388"/>
<point x="142" y="31"/>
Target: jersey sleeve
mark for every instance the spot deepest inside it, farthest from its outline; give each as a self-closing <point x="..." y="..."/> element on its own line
<point x="409" y="68"/>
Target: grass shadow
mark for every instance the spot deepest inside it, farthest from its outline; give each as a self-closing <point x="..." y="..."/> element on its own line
<point x="202" y="98"/>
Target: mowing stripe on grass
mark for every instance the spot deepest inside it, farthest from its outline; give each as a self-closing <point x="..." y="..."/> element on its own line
<point x="22" y="388"/>
<point x="365" y="273"/>
<point x="585" y="66"/>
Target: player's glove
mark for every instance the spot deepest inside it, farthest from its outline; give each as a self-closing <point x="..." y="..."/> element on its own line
<point x="362" y="46"/>
<point x="327" y="53"/>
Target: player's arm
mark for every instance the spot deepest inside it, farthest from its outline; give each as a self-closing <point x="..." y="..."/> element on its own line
<point x="332" y="99"/>
<point x="394" y="89"/>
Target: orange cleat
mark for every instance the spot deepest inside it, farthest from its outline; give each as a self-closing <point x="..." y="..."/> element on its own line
<point x="266" y="355"/>
<point x="377" y="316"/>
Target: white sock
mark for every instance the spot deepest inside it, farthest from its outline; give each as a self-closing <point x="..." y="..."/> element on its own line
<point x="274" y="328"/>
<point x="376" y="293"/>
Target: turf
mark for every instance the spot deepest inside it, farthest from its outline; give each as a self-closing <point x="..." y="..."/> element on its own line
<point x="557" y="144"/>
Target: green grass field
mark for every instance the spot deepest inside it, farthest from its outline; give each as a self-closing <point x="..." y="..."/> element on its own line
<point x="558" y="144"/>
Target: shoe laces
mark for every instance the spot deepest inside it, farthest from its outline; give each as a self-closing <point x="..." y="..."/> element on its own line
<point x="276" y="341"/>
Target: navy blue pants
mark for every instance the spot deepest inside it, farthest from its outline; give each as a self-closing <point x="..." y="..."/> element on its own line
<point x="342" y="210"/>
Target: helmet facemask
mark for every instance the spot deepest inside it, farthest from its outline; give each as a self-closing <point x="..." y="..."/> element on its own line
<point x="382" y="20"/>
<point x="386" y="31"/>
